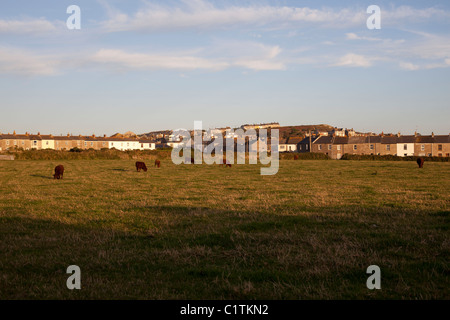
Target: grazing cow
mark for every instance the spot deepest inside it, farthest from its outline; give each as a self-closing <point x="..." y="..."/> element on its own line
<point x="295" y="157"/>
<point x="59" y="171"/>
<point x="225" y="163"/>
<point x="157" y="163"/>
<point x="141" y="165"/>
<point x="420" y="162"/>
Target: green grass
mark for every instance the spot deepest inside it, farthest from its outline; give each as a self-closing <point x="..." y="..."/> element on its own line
<point x="209" y="232"/>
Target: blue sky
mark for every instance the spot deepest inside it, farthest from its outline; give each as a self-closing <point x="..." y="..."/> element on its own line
<point x="153" y="65"/>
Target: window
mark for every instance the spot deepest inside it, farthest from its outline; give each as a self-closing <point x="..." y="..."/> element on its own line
<point x="422" y="147"/>
<point x="339" y="147"/>
<point x="15" y="142"/>
<point x="7" y="142"/>
<point x="329" y="147"/>
<point x="388" y="147"/>
<point x="85" y="144"/>
<point x="35" y="143"/>
<point x="440" y="147"/>
<point x="355" y="147"/>
<point x="92" y="143"/>
<point x="371" y="147"/>
<point x="320" y="147"/>
<point x="306" y="147"/>
<point x="46" y="142"/>
<point x="405" y="147"/>
<point x="300" y="147"/>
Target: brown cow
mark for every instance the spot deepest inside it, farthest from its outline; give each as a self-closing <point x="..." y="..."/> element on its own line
<point x="141" y="165"/>
<point x="157" y="163"/>
<point x="225" y="163"/>
<point x="295" y="157"/>
<point x="59" y="171"/>
<point x="420" y="162"/>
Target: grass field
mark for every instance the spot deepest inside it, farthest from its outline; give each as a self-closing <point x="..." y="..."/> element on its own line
<point x="209" y="232"/>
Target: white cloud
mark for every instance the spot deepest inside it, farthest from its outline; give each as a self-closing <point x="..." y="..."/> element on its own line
<point x="409" y="66"/>
<point x="353" y="60"/>
<point x="32" y="26"/>
<point x="204" y="15"/>
<point x="122" y="59"/>
<point x="14" y="61"/>
<point x="255" y="57"/>
<point x="200" y="14"/>
<point x="354" y="36"/>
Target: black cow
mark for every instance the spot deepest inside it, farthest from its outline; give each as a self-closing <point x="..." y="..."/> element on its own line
<point x="420" y="162"/>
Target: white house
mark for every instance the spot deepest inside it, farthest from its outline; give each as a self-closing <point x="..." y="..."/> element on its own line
<point x="147" y="144"/>
<point x="405" y="146"/>
<point x="124" y="144"/>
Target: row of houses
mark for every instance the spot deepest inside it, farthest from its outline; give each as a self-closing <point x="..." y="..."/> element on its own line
<point x="399" y="145"/>
<point x="29" y="141"/>
<point x="335" y="146"/>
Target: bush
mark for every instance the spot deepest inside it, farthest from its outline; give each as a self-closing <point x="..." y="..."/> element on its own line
<point x="391" y="158"/>
<point x="303" y="156"/>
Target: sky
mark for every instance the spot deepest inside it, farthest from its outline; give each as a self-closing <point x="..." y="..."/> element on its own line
<point x="152" y="65"/>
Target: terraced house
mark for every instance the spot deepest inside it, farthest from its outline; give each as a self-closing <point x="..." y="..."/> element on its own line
<point x="413" y="145"/>
<point x="29" y="141"/>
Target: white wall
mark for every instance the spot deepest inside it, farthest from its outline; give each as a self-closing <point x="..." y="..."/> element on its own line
<point x="401" y="151"/>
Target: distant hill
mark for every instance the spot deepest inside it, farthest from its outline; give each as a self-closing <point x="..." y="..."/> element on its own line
<point x="127" y="134"/>
<point x="285" y="131"/>
<point x="294" y="131"/>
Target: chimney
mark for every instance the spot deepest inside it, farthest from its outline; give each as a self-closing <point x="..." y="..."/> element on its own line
<point x="39" y="133"/>
<point x="14" y="133"/>
<point x="104" y="136"/>
<point x="398" y="134"/>
<point x="415" y="133"/>
<point x="432" y="134"/>
<point x="68" y="134"/>
<point x="93" y="136"/>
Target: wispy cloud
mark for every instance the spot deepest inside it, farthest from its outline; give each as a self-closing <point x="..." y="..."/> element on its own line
<point x="353" y="60"/>
<point x="124" y="60"/>
<point x="19" y="62"/>
<point x="28" y="26"/>
<point x="200" y="14"/>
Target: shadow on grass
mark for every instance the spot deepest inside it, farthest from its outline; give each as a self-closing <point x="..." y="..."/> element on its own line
<point x="41" y="176"/>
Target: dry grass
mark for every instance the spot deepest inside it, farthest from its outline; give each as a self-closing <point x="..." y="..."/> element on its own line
<point x="209" y="232"/>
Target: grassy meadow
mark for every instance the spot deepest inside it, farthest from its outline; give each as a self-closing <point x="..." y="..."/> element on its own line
<point x="209" y="232"/>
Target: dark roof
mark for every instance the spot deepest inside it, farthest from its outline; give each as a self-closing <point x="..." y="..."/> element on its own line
<point x="406" y="139"/>
<point x="441" y="139"/>
<point x="294" y="140"/>
<point x="373" y="139"/>
<point x="340" y="140"/>
<point x="324" y="140"/>
<point x="357" y="140"/>
<point x="424" y="139"/>
<point x="389" y="139"/>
